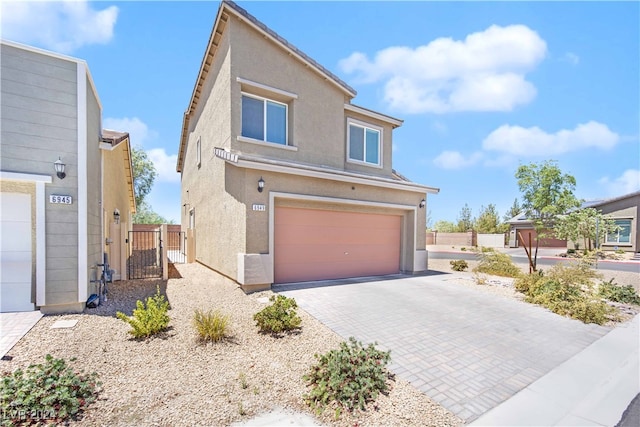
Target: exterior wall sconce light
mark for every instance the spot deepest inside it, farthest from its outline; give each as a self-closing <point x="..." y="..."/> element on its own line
<point x="116" y="216"/>
<point x="260" y="185"/>
<point x="423" y="203"/>
<point x="59" y="166"/>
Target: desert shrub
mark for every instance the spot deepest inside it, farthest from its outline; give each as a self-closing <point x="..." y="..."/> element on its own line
<point x="210" y="325"/>
<point x="459" y="265"/>
<point x="614" y="292"/>
<point x="463" y="249"/>
<point x="497" y="264"/>
<point x="279" y="316"/>
<point x="45" y="393"/>
<point x="348" y="377"/>
<point x="567" y="290"/>
<point x="148" y="319"/>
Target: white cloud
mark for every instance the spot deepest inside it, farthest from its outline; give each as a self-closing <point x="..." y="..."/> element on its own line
<point x="626" y="183"/>
<point x="165" y="164"/>
<point x="139" y="132"/>
<point x="534" y="141"/>
<point x="455" y="160"/>
<point x="62" y="26"/>
<point x="571" y="58"/>
<point x="483" y="72"/>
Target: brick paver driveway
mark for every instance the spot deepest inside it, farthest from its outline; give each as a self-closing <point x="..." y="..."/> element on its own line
<point x="467" y="349"/>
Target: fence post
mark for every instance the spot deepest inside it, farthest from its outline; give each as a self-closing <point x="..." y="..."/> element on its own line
<point x="124" y="250"/>
<point x="165" y="257"/>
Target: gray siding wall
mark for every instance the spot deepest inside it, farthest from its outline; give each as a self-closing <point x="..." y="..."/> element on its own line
<point x="39" y="124"/>
<point x="94" y="186"/>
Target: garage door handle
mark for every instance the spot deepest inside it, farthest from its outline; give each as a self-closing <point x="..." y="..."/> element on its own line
<point x="346" y="253"/>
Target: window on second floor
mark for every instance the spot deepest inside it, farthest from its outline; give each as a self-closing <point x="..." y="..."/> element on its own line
<point x="364" y="143"/>
<point x="622" y="234"/>
<point x="264" y="119"/>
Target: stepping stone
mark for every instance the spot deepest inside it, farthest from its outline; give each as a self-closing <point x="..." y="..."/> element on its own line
<point x="64" y="324"/>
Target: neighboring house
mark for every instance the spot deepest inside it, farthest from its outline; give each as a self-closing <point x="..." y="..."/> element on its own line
<point x="624" y="210"/>
<point x="283" y="178"/>
<point x="524" y="226"/>
<point x="54" y="225"/>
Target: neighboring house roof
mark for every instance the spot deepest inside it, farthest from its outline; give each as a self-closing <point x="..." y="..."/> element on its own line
<point x="521" y="218"/>
<point x="230" y="8"/>
<point x="112" y="139"/>
<point x="398" y="181"/>
<point x="596" y="203"/>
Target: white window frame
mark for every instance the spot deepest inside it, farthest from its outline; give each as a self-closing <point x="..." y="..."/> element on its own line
<point x="617" y="242"/>
<point x="365" y="126"/>
<point x="264" y="124"/>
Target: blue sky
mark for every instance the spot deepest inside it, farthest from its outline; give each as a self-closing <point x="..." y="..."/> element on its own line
<point x="481" y="86"/>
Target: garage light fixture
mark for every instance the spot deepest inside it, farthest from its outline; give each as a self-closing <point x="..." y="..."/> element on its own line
<point x="423" y="203"/>
<point x="59" y="166"/>
<point x="116" y="216"/>
<point x="260" y="185"/>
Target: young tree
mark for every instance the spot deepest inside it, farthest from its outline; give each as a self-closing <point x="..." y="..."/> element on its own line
<point x="546" y="193"/>
<point x="444" y="226"/>
<point x="465" y="219"/>
<point x="588" y="224"/>
<point x="488" y="220"/>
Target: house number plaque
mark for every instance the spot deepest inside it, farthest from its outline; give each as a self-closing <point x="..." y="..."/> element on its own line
<point x="58" y="199"/>
<point x="257" y="207"/>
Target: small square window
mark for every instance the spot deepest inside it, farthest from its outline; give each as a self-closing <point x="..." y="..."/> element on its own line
<point x="198" y="152"/>
<point x="264" y="119"/>
<point x="364" y="143"/>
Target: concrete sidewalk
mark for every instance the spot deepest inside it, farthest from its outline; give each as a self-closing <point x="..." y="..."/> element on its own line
<point x="592" y="388"/>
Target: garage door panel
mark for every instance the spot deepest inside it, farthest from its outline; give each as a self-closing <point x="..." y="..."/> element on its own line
<point x="312" y="244"/>
<point x="16" y="236"/>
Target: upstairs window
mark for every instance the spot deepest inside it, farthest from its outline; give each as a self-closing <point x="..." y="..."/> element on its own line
<point x="364" y="143"/>
<point x="623" y="234"/>
<point x="264" y="119"/>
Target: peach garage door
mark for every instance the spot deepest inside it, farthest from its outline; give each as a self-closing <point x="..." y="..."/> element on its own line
<point x="312" y="244"/>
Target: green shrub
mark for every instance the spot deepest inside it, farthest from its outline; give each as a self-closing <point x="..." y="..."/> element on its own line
<point x="150" y="319"/>
<point x="45" y="393"/>
<point x="463" y="249"/>
<point x="497" y="264"/>
<point x="347" y="377"/>
<point x="210" y="325"/>
<point x="614" y="292"/>
<point x="567" y="290"/>
<point x="459" y="265"/>
<point x="279" y="316"/>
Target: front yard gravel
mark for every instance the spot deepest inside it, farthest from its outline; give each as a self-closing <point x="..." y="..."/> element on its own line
<point x="172" y="380"/>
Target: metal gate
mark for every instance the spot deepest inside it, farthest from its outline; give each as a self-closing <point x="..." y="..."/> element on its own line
<point x="175" y="245"/>
<point x="145" y="254"/>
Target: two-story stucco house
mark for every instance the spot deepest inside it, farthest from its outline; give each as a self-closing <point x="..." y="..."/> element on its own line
<point x="61" y="182"/>
<point x="283" y="178"/>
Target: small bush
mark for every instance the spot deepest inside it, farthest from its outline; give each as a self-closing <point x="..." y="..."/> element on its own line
<point x="210" y="325"/>
<point x="614" y="292"/>
<point x="150" y="319"/>
<point x="497" y="264"/>
<point x="463" y="249"/>
<point x="459" y="265"/>
<point x="347" y="377"/>
<point x="278" y="317"/>
<point x="43" y="393"/>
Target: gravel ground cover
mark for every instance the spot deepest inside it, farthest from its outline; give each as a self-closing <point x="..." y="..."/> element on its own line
<point x="172" y="380"/>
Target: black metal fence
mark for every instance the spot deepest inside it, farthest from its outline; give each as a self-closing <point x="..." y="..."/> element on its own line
<point x="145" y="254"/>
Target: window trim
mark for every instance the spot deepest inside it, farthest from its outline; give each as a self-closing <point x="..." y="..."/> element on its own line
<point x="364" y="126"/>
<point x="264" y="124"/>
<point x="617" y="242"/>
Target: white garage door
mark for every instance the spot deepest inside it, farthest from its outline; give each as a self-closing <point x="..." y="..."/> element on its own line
<point x="15" y="252"/>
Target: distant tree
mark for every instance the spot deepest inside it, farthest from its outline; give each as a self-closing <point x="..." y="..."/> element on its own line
<point x="444" y="227"/>
<point x="588" y="224"/>
<point x="465" y="219"/>
<point x="514" y="210"/>
<point x="488" y="220"/>
<point x="145" y="215"/>
<point x="546" y="193"/>
<point x="144" y="174"/>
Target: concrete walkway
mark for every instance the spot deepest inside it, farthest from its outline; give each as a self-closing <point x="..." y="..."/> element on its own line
<point x="468" y="350"/>
<point x="14" y="326"/>
<point x="593" y="388"/>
